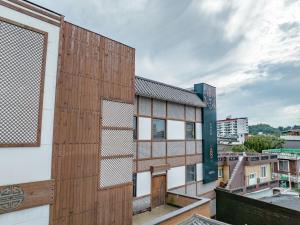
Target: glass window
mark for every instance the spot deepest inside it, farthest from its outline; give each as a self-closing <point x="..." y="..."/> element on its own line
<point x="134" y="185"/>
<point x="263" y="171"/>
<point x="134" y="128"/>
<point x="283" y="165"/>
<point x="158" y="129"/>
<point x="190" y="130"/>
<point x="190" y="173"/>
<point x="220" y="172"/>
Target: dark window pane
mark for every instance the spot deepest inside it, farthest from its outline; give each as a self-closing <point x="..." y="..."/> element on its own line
<point x="158" y="129"/>
<point x="134" y="128"/>
<point x="190" y="173"/>
<point x="134" y="184"/>
<point x="190" y="130"/>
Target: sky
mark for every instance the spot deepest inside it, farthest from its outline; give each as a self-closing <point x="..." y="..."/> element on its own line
<point x="248" y="49"/>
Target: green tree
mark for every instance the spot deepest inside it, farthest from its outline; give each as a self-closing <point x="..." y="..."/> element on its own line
<point x="262" y="142"/>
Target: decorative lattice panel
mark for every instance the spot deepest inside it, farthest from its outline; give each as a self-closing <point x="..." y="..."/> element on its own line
<point x="159" y="108"/>
<point x="115" y="171"/>
<point x="198" y="115"/>
<point x="190" y="147"/>
<point x="144" y="106"/>
<point x="117" y="114"/>
<point x="117" y="146"/>
<point x="116" y="142"/>
<point x="176" y="148"/>
<point x="22" y="56"/>
<point x="190" y="113"/>
<point x="175" y="111"/>
<point x="144" y="150"/>
<point x="199" y="147"/>
<point x="158" y="149"/>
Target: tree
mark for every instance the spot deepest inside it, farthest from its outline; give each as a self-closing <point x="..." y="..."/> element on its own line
<point x="262" y="142"/>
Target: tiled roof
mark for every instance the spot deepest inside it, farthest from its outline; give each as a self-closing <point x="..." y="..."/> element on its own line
<point x="153" y="89"/>
<point x="201" y="220"/>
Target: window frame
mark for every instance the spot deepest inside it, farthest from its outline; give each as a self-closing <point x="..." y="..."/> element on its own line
<point x="285" y="161"/>
<point x="134" y="185"/>
<point x="135" y="128"/>
<point x="187" y="173"/>
<point x="222" y="173"/>
<point x="263" y="169"/>
<point x="152" y="129"/>
<point x="193" y="130"/>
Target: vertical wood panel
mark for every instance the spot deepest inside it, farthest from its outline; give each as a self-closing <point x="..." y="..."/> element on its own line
<point x="91" y="67"/>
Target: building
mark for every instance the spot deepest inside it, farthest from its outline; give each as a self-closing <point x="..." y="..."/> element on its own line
<point x="67" y="128"/>
<point x="291" y="139"/>
<point x="288" y="167"/>
<point x="245" y="173"/>
<point x="232" y="130"/>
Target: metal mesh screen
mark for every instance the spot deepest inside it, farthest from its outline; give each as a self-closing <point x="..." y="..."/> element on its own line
<point x="144" y="150"/>
<point x="159" y="108"/>
<point x="199" y="147"/>
<point x="158" y="149"/>
<point x="115" y="171"/>
<point x="190" y="113"/>
<point x="198" y="115"/>
<point x="144" y="106"/>
<point x="116" y="162"/>
<point x="117" y="114"/>
<point x="190" y="147"/>
<point x="175" y="111"/>
<point x="22" y="55"/>
<point x="176" y="148"/>
<point x="116" y="142"/>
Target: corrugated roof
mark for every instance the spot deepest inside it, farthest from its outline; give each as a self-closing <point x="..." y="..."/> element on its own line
<point x="201" y="220"/>
<point x="153" y="89"/>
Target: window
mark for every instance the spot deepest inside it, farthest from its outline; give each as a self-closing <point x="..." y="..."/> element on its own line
<point x="190" y="130"/>
<point x="158" y="129"/>
<point x="134" y="128"/>
<point x="220" y="172"/>
<point x="134" y="185"/>
<point x="283" y="165"/>
<point x="190" y="173"/>
<point x="263" y="171"/>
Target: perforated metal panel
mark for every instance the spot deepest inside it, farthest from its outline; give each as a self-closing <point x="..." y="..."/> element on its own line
<point x="175" y="111"/>
<point x="144" y="106"/>
<point x="116" y="142"/>
<point x="116" y="162"/>
<point x="115" y="171"/>
<point x="144" y="150"/>
<point x="159" y="108"/>
<point x="22" y="57"/>
<point x="159" y="149"/>
<point x="198" y="115"/>
<point x="199" y="147"/>
<point x="190" y="113"/>
<point x="176" y="148"/>
<point x="190" y="147"/>
<point x="117" y="114"/>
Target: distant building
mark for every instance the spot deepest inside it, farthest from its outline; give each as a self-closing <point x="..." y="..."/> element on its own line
<point x="232" y="130"/>
<point x="292" y="138"/>
<point x="288" y="167"/>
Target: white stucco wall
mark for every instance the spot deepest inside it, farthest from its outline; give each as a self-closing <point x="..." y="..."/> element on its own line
<point x="198" y="131"/>
<point x="29" y="164"/>
<point x="175" y="130"/>
<point x="199" y="173"/>
<point x="143" y="183"/>
<point x="144" y="128"/>
<point x="176" y="177"/>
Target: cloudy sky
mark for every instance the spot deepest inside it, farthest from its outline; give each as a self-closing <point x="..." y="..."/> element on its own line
<point x="248" y="49"/>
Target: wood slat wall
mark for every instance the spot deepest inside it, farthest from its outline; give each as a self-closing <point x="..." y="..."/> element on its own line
<point x="91" y="67"/>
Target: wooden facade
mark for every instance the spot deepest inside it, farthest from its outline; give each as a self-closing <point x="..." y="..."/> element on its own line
<point x="92" y="67"/>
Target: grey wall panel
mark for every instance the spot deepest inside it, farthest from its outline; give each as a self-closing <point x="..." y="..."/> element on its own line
<point x="190" y="147"/>
<point x="159" y="149"/>
<point x="176" y="161"/>
<point x="144" y="165"/>
<point x="175" y="111"/>
<point x="191" y="189"/>
<point x="199" y="147"/>
<point x="180" y="190"/>
<point x="159" y="108"/>
<point x="144" y="150"/>
<point x="144" y="106"/>
<point x="198" y="114"/>
<point x="141" y="204"/>
<point x="176" y="148"/>
<point x="190" y="113"/>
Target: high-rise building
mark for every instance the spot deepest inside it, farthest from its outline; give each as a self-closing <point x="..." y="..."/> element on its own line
<point x="232" y="130"/>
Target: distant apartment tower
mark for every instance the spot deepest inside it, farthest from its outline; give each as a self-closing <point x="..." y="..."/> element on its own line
<point x="232" y="130"/>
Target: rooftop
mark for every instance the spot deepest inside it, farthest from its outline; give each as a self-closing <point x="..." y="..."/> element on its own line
<point x="157" y="90"/>
<point x="201" y="220"/>
<point x="284" y="200"/>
